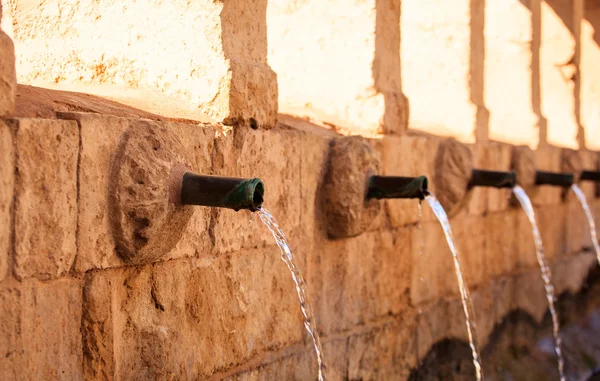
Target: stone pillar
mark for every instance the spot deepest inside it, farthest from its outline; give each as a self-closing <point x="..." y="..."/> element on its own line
<point x="8" y="79"/>
<point x="202" y="60"/>
<point x="338" y="62"/>
<point x="590" y="75"/>
<point x="558" y="72"/>
<point x="442" y="67"/>
<point x="510" y="46"/>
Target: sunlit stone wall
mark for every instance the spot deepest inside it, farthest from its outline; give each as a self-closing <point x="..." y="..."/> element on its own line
<point x="220" y="304"/>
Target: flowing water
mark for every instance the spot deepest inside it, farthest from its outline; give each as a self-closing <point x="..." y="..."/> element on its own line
<point x="586" y="208"/>
<point x="546" y="275"/>
<point x="439" y="212"/>
<point x="288" y="258"/>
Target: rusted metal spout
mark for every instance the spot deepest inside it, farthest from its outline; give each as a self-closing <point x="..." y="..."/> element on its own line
<point x="397" y="187"/>
<point x="495" y="179"/>
<point x="590" y="176"/>
<point x="222" y="192"/>
<point x="554" y="178"/>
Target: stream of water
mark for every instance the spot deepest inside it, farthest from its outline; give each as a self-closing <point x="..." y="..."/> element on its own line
<point x="288" y="258"/>
<point x="439" y="212"/>
<point x="546" y="275"/>
<point x="588" y="213"/>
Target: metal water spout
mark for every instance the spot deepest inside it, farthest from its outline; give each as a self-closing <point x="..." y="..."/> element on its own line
<point x="558" y="179"/>
<point x="381" y="187"/>
<point x="494" y="179"/>
<point x="222" y="192"/>
<point x="590" y="176"/>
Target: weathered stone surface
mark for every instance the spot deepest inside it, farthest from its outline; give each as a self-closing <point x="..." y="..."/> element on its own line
<point x="8" y="76"/>
<point x="509" y="72"/>
<point x="7" y="184"/>
<point x="576" y="229"/>
<point x="355" y="280"/>
<point x="100" y="138"/>
<point x="185" y="316"/>
<point x="500" y="244"/>
<point x="409" y="156"/>
<point x="548" y="158"/>
<point x="554" y="228"/>
<point x="213" y="66"/>
<point x="40" y="330"/>
<point x="386" y="353"/>
<point x="248" y="154"/>
<point x="146" y="215"/>
<point x="352" y="160"/>
<point x="46" y="197"/>
<point x="448" y="100"/>
<point x="355" y="86"/>
<point x="453" y="164"/>
<point x="523" y="162"/>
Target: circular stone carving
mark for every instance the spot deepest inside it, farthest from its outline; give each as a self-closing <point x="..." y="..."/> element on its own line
<point x="352" y="160"/>
<point x="454" y="167"/>
<point x="146" y="215"/>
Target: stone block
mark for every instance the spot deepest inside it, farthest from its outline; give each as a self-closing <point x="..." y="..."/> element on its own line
<point x="45" y="197"/>
<point x="525" y="253"/>
<point x="356" y="85"/>
<point x="185" y="317"/>
<point x="100" y="138"/>
<point x="40" y="330"/>
<point x="554" y="228"/>
<point x="409" y="156"/>
<point x="8" y="76"/>
<point x="570" y="275"/>
<point x="357" y="279"/>
<point x="576" y="229"/>
<point x="7" y="183"/>
<point x="548" y="158"/>
<point x="272" y="156"/>
<point x="432" y="266"/>
<point x="386" y="353"/>
<point x="471" y="238"/>
<point x="500" y="243"/>
<point x="147" y="62"/>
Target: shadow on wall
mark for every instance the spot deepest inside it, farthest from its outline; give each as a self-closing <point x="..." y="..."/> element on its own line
<point x="522" y="349"/>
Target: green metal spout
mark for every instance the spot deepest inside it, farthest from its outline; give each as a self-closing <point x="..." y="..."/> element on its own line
<point x="554" y="178"/>
<point x="590" y="176"/>
<point x="494" y="179"/>
<point x="222" y="192"/>
<point x="397" y="187"/>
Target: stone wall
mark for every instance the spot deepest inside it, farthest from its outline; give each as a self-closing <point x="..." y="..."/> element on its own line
<point x="220" y="304"/>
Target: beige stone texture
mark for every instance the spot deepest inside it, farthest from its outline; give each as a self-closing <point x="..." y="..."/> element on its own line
<point x="7" y="184"/>
<point x="212" y="66"/>
<point x="8" y="76"/>
<point x="558" y="72"/>
<point x="409" y="156"/>
<point x="100" y="137"/>
<point x="248" y="154"/>
<point x="384" y="354"/>
<point x="348" y="211"/>
<point x="40" y="330"/>
<point x="590" y="75"/>
<point x="500" y="243"/>
<point x="356" y="280"/>
<point x="510" y="47"/>
<point x="189" y="314"/>
<point x="548" y="158"/>
<point x="356" y="86"/>
<point x="45" y="197"/>
<point x="453" y="169"/>
<point x="442" y="67"/>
